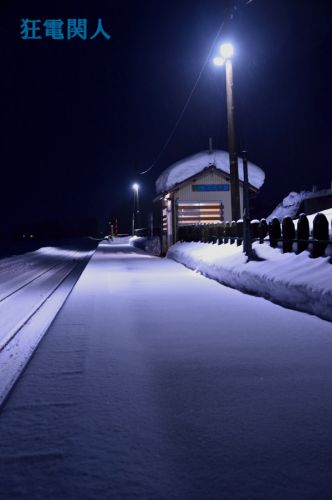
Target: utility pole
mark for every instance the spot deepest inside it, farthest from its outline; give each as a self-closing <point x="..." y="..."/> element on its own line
<point x="247" y="246"/>
<point x="226" y="51"/>
<point x="135" y="220"/>
<point x="138" y="222"/>
<point x="233" y="162"/>
<point x="150" y="224"/>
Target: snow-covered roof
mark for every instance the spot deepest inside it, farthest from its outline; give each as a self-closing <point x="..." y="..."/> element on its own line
<point x="192" y="165"/>
<point x="291" y="203"/>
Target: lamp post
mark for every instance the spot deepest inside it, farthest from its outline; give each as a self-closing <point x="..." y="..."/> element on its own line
<point x="227" y="51"/>
<point x="135" y="207"/>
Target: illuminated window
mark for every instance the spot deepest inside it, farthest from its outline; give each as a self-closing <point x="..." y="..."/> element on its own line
<point x="199" y="213"/>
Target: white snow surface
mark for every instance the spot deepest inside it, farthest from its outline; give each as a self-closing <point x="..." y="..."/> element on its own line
<point x="295" y="281"/>
<point x="156" y="383"/>
<point x="192" y="165"/>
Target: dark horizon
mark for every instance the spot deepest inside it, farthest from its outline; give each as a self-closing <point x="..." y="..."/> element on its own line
<point x="81" y="118"/>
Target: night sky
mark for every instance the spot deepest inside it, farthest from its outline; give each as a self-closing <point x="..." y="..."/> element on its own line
<point x="81" y="118"/>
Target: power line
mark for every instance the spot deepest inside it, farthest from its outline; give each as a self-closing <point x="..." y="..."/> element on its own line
<point x="191" y="93"/>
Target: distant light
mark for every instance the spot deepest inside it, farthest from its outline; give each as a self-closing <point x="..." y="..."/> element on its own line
<point x="227" y="50"/>
<point x="219" y="61"/>
<point x="135" y="186"/>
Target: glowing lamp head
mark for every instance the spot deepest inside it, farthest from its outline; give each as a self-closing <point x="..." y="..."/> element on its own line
<point x="135" y="186"/>
<point x="218" y="61"/>
<point x="227" y="50"/>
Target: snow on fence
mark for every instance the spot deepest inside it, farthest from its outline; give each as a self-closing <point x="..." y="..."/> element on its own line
<point x="286" y="235"/>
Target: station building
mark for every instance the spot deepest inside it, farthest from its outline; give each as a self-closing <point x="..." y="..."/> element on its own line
<point x="196" y="190"/>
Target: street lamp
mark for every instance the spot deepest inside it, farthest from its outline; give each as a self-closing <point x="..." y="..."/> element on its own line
<point x="135" y="187"/>
<point x="226" y="50"/>
<point x="225" y="58"/>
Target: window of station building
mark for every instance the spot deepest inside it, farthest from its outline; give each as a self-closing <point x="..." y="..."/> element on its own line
<point x="199" y="212"/>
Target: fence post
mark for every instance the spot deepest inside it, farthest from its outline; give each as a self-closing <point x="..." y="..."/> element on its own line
<point x="233" y="231"/>
<point x="204" y="238"/>
<point x="240" y="231"/>
<point x="189" y="234"/>
<point x="213" y="233"/>
<point x="193" y="232"/>
<point x="210" y="233"/>
<point x="254" y="225"/>
<point x="320" y="232"/>
<point x="288" y="234"/>
<point x="262" y="230"/>
<point x="227" y="232"/>
<point x="274" y="232"/>
<point x="303" y="233"/>
<point x="221" y="232"/>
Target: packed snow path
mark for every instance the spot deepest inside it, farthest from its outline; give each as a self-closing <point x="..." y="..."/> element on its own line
<point x="157" y="383"/>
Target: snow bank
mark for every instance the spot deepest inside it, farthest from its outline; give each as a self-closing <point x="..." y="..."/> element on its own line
<point x="294" y="281"/>
<point x="183" y="169"/>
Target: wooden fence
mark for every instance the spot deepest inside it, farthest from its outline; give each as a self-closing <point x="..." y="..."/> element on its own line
<point x="277" y="234"/>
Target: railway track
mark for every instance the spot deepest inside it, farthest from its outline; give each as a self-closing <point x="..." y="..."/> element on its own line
<point x="28" y="305"/>
<point x="20" y="305"/>
<point x="5" y="295"/>
<point x="16" y="275"/>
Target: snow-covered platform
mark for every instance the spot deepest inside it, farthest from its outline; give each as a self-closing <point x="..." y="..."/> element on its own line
<point x="154" y="382"/>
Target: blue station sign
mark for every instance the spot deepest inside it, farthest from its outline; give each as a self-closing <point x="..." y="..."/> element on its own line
<point x="210" y="187"/>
